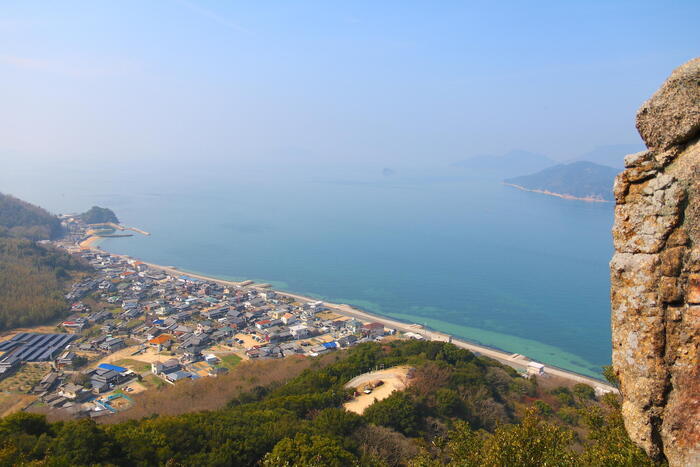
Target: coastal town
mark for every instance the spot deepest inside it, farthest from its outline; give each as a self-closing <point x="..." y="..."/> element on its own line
<point x="134" y="326"/>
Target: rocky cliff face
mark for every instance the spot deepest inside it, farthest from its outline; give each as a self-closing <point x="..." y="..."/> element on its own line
<point x="655" y="274"/>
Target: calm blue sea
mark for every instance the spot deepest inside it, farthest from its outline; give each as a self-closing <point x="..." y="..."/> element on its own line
<point x="519" y="271"/>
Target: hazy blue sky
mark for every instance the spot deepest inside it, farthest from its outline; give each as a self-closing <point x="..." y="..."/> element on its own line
<point x="318" y="82"/>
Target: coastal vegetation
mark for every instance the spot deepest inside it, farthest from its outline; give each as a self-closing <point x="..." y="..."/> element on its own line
<point x="459" y="409"/>
<point x="98" y="215"/>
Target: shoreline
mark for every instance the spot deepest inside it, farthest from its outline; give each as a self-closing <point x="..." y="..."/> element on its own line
<point x="517" y="361"/>
<point x="94" y="238"/>
<point x="91" y="242"/>
<point x="588" y="199"/>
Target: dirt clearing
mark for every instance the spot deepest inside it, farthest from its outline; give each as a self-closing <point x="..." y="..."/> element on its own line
<point x="392" y="379"/>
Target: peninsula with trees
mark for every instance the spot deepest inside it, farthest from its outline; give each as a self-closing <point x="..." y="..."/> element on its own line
<point x="581" y="180"/>
<point x="98" y="215"/>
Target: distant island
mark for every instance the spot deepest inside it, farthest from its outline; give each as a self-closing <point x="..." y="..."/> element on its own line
<point x="98" y="215"/>
<point x="581" y="180"/>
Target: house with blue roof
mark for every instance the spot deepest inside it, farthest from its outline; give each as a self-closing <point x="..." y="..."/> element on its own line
<point x="118" y="369"/>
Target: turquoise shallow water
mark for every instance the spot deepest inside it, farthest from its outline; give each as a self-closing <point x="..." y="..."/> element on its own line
<point x="520" y="271"/>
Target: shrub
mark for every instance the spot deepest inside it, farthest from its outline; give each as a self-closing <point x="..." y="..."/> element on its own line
<point x="397" y="411"/>
<point x="568" y="415"/>
<point x="584" y="392"/>
<point x="308" y="450"/>
<point x="543" y="408"/>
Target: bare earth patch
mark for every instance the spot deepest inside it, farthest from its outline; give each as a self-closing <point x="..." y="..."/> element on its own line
<point x="150" y="355"/>
<point x="11" y="403"/>
<point x="136" y="366"/>
<point x="42" y="329"/>
<point x="25" y="378"/>
<point x="136" y="387"/>
<point x="248" y="341"/>
<point x="393" y="379"/>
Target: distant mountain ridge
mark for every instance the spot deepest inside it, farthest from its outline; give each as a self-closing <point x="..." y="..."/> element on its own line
<point x="520" y="162"/>
<point x="513" y="163"/>
<point x="612" y="155"/>
<point x="577" y="180"/>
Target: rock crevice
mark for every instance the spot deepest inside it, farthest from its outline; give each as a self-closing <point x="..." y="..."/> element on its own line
<point x="655" y="274"/>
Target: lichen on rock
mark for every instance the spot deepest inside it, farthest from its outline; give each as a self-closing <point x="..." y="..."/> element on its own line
<point x="655" y="274"/>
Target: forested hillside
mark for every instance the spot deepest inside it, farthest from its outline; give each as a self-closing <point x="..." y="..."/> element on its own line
<point x="32" y="277"/>
<point x="22" y="219"/>
<point x="32" y="282"/>
<point x="459" y="410"/>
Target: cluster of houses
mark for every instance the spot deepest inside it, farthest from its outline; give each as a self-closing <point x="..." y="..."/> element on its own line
<point x="187" y="315"/>
<point x="173" y="370"/>
<point x="82" y="396"/>
<point x="182" y="318"/>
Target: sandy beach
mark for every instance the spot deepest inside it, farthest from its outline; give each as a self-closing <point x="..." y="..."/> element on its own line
<point x="589" y="199"/>
<point x="90" y="242"/>
<point x="99" y="232"/>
